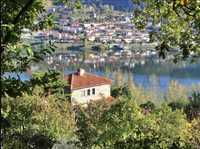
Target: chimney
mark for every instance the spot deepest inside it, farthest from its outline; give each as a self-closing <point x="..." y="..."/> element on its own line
<point x="81" y="72"/>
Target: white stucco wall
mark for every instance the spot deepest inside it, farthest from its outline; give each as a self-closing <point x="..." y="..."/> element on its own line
<point x="78" y="96"/>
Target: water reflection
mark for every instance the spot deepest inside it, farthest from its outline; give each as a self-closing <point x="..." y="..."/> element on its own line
<point x="150" y="76"/>
<point x="153" y="76"/>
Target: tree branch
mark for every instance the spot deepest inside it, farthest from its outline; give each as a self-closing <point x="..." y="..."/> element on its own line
<point x="188" y="13"/>
<point x="17" y="19"/>
<point x="24" y="9"/>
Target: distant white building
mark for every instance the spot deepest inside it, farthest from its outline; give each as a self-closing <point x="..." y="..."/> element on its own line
<point x="26" y="34"/>
<point x="91" y="38"/>
<point x="84" y="87"/>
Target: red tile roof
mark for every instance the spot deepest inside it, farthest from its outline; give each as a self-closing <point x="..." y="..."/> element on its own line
<point x="77" y="81"/>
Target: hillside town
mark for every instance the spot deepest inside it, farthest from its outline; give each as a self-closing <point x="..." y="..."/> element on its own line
<point x="100" y="27"/>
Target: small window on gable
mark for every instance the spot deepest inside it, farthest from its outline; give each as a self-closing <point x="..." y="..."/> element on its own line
<point x="93" y="91"/>
<point x="88" y="92"/>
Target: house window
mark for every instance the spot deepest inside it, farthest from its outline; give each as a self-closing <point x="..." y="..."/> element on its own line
<point x="93" y="91"/>
<point x="84" y="94"/>
<point x="88" y="92"/>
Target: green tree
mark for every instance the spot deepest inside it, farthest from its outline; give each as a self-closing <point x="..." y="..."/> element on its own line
<point x="102" y="48"/>
<point x="123" y="125"/>
<point x="175" y="22"/>
<point x="16" y="57"/>
<point x="130" y="82"/>
<point x="195" y="132"/>
<point x="193" y="108"/>
<point x="50" y="82"/>
<point x="176" y="93"/>
<point x="36" y="121"/>
<point x="86" y="51"/>
<point x="118" y="78"/>
<point x="148" y="106"/>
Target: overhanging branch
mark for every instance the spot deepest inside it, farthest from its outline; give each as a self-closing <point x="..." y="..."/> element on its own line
<point x="17" y="19"/>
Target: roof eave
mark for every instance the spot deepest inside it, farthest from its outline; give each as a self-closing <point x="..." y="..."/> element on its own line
<point x="73" y="89"/>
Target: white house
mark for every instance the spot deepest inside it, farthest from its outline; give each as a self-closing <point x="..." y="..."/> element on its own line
<point x="85" y="87"/>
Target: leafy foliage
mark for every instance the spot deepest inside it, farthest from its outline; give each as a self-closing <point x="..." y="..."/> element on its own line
<point x="193" y="108"/>
<point x="123" y="125"/>
<point x="35" y="121"/>
<point x="16" y="56"/>
<point x="149" y="106"/>
<point x="50" y="82"/>
<point x="176" y="92"/>
<point x="195" y="131"/>
<point x="30" y="119"/>
<point x="175" y="24"/>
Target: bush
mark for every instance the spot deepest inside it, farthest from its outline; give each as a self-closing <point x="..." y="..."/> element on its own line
<point x="192" y="110"/>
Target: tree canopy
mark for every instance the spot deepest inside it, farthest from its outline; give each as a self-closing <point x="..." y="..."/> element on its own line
<point x="176" y="24"/>
<point x="19" y="102"/>
<point x="17" y="56"/>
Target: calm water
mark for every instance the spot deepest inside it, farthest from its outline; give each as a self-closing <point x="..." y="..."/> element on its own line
<point x="146" y="76"/>
<point x="149" y="74"/>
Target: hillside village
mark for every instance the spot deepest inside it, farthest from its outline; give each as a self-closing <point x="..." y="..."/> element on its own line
<point x="99" y="27"/>
<point x="94" y="35"/>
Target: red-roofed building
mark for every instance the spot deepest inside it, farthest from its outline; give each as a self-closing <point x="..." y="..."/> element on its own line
<point x="85" y="87"/>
